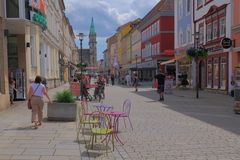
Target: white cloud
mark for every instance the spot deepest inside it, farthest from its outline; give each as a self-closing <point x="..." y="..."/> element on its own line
<point x="108" y="16"/>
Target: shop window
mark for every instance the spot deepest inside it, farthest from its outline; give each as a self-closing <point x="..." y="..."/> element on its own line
<point x="215" y="73"/>
<point x="12" y="8"/>
<point x="209" y="74"/>
<point x="223" y="73"/>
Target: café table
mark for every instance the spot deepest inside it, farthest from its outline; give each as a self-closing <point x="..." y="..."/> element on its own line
<point x="103" y="107"/>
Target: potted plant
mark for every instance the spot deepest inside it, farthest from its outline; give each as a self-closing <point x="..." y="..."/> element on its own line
<point x="63" y="108"/>
<point x="193" y="53"/>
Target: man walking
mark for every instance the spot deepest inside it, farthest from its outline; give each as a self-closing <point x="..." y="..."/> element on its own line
<point x="161" y="79"/>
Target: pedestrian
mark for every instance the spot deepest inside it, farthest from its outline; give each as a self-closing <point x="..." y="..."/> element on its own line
<point x="35" y="94"/>
<point x="161" y="80"/>
<point x="135" y="81"/>
<point x="11" y="90"/>
<point x="112" y="79"/>
<point x="128" y="80"/>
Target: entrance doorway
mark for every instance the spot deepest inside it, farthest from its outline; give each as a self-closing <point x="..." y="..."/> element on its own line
<point x="14" y="71"/>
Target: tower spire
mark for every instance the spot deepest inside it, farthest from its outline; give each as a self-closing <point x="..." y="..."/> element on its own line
<point x="92" y="28"/>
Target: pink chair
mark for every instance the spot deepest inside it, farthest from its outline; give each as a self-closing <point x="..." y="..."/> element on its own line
<point x="126" y="110"/>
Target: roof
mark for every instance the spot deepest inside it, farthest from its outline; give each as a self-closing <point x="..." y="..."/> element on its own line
<point x="92" y="28"/>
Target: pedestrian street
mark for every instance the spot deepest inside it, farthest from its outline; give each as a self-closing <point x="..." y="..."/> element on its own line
<point x="179" y="128"/>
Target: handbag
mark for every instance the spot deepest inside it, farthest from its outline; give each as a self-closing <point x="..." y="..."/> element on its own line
<point x="29" y="101"/>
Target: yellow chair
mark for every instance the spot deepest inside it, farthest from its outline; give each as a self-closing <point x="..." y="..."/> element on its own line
<point x="85" y="118"/>
<point x="104" y="129"/>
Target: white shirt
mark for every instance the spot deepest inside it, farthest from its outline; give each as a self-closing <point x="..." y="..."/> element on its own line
<point x="38" y="91"/>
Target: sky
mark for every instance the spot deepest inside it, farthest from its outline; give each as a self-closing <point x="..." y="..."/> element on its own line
<point x="108" y="15"/>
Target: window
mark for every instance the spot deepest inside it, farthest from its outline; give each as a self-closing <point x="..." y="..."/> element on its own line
<point x="209" y="32"/>
<point x="12" y="8"/>
<point x="180" y="9"/>
<point x="199" y="3"/>
<point x="152" y="28"/>
<point x="188" y="36"/>
<point x="188" y="5"/>
<point x="223" y="74"/>
<point x="222" y="27"/>
<point x="215" y="30"/>
<point x="180" y="40"/>
<point x="158" y="27"/>
<point x="209" y="74"/>
<point x="201" y="34"/>
<point x="215" y="72"/>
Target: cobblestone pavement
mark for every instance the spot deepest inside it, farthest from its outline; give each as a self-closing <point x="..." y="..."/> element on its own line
<point x="180" y="128"/>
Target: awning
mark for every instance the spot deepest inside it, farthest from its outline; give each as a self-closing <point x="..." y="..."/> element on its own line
<point x="172" y="60"/>
<point x="168" y="62"/>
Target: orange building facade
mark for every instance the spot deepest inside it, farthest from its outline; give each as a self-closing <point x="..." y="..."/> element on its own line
<point x="236" y="40"/>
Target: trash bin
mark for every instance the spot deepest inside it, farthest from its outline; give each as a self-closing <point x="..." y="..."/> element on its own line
<point x="237" y="94"/>
<point x="237" y="100"/>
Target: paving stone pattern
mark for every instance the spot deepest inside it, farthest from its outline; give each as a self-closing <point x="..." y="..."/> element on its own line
<point x="179" y="128"/>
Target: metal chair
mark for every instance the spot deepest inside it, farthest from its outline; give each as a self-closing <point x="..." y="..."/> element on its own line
<point x="126" y="110"/>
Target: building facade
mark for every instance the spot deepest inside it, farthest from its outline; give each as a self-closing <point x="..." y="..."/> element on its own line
<point x="183" y="39"/>
<point x="4" y="87"/>
<point x="213" y="23"/>
<point x="157" y="38"/>
<point x="32" y="48"/>
<point x="112" y="53"/>
<point x="235" y="77"/>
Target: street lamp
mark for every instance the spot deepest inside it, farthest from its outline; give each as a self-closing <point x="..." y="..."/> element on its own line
<point x="196" y="38"/>
<point x="81" y="36"/>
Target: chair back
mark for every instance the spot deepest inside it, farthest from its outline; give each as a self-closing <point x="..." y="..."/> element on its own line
<point x="104" y="119"/>
<point x="127" y="106"/>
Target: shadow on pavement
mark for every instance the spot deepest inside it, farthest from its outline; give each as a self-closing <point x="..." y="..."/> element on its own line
<point x="212" y="108"/>
<point x="88" y="154"/>
<point x="21" y="128"/>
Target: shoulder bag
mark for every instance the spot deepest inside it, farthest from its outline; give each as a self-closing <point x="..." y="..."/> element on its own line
<point x="29" y="100"/>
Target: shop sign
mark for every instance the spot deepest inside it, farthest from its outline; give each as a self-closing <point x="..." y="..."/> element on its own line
<point x="226" y="43"/>
<point x="36" y="17"/>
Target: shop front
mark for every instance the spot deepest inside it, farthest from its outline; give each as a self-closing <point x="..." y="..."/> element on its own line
<point x="217" y="72"/>
<point x="146" y="70"/>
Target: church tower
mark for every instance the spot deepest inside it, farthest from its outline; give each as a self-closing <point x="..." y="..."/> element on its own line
<point x="93" y="45"/>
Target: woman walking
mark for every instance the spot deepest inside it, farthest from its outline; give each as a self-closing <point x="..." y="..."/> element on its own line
<point x="35" y="94"/>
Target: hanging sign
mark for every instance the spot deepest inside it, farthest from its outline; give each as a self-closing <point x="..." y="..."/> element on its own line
<point x="226" y="43"/>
